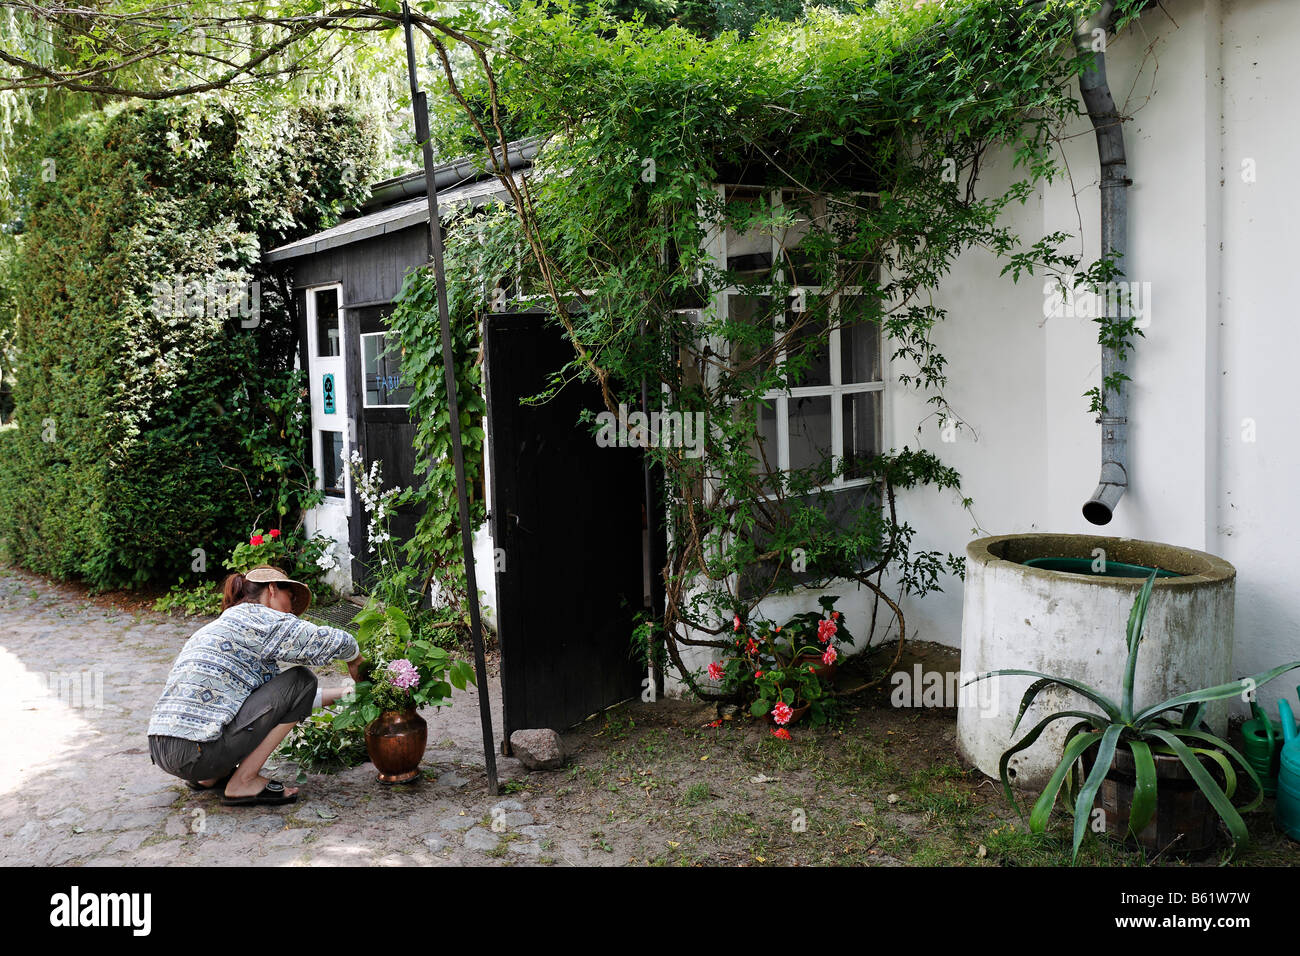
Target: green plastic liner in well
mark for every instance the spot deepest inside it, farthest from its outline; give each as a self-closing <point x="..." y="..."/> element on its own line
<point x="1114" y="569"/>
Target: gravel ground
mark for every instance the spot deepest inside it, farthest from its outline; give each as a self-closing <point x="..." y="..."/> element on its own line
<point x="660" y="783"/>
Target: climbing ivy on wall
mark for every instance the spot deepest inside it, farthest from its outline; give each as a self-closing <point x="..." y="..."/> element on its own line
<point x="884" y="114"/>
<point x="469" y="258"/>
<point x="157" y="406"/>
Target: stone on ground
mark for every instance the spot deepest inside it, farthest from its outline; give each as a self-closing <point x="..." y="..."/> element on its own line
<point x="538" y="749"/>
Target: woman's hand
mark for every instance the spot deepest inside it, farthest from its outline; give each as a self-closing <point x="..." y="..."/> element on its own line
<point x="333" y="695"/>
<point x="354" y="668"/>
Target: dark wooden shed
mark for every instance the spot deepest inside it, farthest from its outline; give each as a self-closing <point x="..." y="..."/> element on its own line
<point x="567" y="518"/>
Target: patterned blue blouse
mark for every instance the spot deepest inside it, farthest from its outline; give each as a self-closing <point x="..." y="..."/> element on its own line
<point x="229" y="658"/>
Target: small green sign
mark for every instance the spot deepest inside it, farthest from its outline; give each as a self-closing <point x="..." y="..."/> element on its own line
<point x="328" y="386"/>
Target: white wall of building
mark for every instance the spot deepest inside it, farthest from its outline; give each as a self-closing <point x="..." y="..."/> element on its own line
<point x="1220" y="255"/>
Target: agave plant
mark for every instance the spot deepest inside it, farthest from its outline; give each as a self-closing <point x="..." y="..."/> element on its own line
<point x="1173" y="727"/>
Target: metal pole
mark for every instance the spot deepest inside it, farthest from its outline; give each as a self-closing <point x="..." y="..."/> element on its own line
<point x="418" y="104"/>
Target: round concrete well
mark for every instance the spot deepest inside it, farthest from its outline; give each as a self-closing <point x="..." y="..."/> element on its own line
<point x="1073" y="625"/>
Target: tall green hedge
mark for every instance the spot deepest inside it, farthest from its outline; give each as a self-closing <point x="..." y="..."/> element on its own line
<point x="139" y="428"/>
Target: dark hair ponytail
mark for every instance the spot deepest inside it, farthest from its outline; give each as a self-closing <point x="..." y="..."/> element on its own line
<point x="237" y="589"/>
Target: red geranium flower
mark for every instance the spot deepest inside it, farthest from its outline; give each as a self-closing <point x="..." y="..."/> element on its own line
<point x="275" y="532"/>
<point x="758" y="674"/>
<point x="781" y="713"/>
<point x="751" y="647"/>
<point x="715" y="671"/>
<point x="781" y="733"/>
<point x="716" y="723"/>
<point x="830" y="655"/>
<point x="255" y="539"/>
<point x="826" y="630"/>
<point x="835" y="615"/>
<point x="736" y="626"/>
<point x="811" y="669"/>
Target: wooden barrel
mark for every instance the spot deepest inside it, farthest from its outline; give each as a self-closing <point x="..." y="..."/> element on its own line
<point x="1184" y="821"/>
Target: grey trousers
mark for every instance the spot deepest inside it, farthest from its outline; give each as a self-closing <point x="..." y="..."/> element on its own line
<point x="284" y="699"/>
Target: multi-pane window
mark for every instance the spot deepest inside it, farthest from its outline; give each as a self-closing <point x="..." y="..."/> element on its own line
<point x="830" y="405"/>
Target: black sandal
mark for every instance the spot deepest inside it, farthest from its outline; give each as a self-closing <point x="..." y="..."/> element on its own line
<point x="272" y="795"/>
<point x="195" y="785"/>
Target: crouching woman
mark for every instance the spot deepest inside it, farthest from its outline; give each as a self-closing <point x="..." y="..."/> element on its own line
<point x="227" y="705"/>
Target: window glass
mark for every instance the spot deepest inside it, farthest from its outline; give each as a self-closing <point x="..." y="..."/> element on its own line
<point x="748" y="251"/>
<point x="331" y="463"/>
<point x="809" y="349"/>
<point x="810" y="431"/>
<point x="327" y="323"/>
<point x="804" y="213"/>
<point x="381" y="361"/>
<point x="861" y="432"/>
<point x="859" y="341"/>
<point x="755" y="311"/>
<point x="767" y="439"/>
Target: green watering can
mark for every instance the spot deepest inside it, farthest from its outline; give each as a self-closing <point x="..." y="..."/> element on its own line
<point x="1261" y="745"/>
<point x="1287" y="809"/>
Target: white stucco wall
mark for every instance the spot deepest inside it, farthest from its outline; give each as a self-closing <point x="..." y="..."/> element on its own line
<point x="1220" y="254"/>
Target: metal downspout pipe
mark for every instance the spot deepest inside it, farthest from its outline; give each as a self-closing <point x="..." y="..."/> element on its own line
<point x="1114" y="242"/>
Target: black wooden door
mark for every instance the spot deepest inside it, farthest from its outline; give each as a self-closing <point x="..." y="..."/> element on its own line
<point x="384" y="430"/>
<point x="566" y="516"/>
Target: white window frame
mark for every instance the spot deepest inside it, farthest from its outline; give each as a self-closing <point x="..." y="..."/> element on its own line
<point x="313" y="341"/>
<point x="364" y="390"/>
<point x="337" y="364"/>
<point x="717" y="249"/>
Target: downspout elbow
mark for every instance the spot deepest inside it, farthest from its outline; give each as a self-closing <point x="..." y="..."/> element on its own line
<point x="1100" y="508"/>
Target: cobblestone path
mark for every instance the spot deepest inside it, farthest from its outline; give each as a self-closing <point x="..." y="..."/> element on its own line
<point x="78" y="681"/>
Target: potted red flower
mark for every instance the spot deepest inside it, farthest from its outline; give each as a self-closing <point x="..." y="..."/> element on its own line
<point x="785" y="669"/>
<point x="813" y="637"/>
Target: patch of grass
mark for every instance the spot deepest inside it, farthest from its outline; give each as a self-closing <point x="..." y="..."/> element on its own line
<point x="726" y="824"/>
<point x="696" y="793"/>
<point x="931" y="855"/>
<point x="1014" y="844"/>
<point x="652" y="744"/>
<point x="782" y="756"/>
<point x="618" y="725"/>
